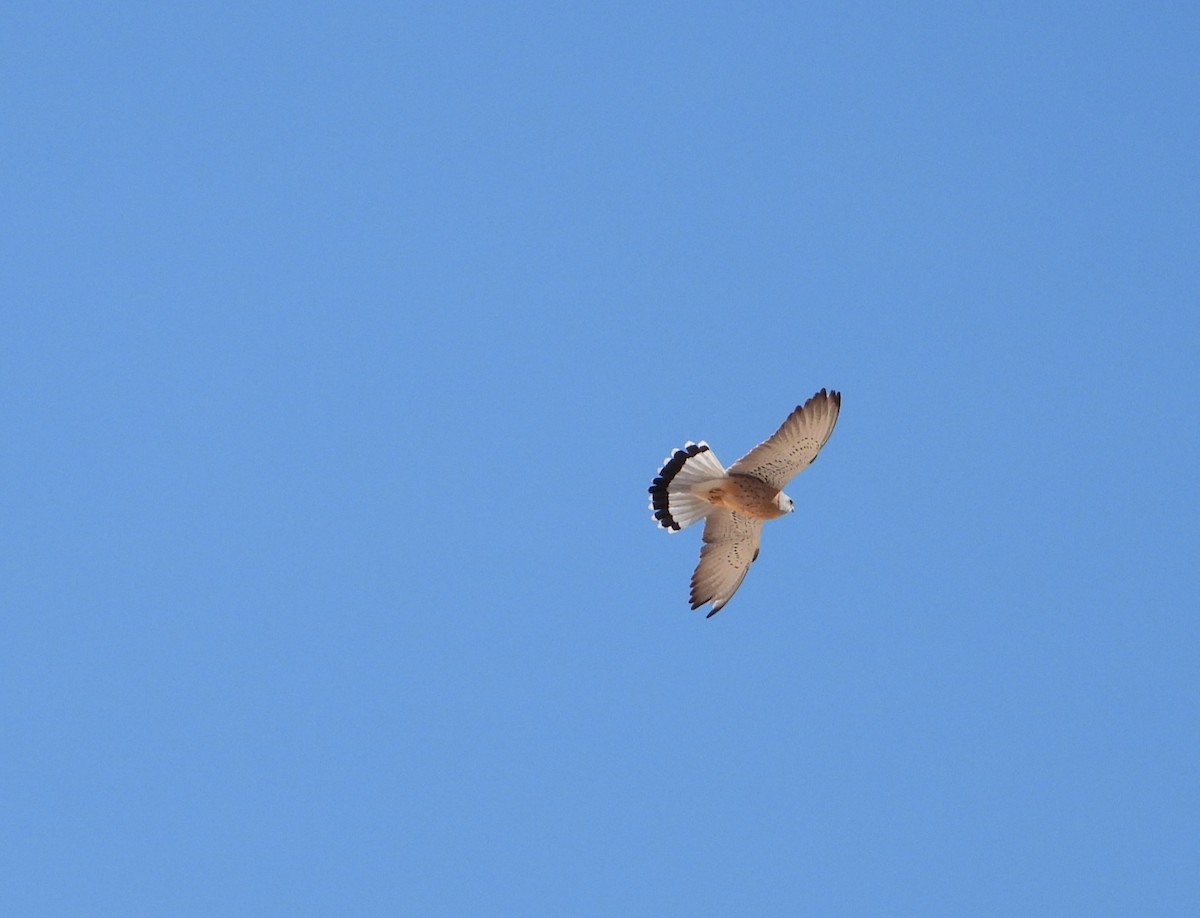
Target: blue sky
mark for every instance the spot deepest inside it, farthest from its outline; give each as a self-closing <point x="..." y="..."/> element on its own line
<point x="341" y="343"/>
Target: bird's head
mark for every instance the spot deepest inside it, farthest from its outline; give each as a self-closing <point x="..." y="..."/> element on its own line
<point x="786" y="504"/>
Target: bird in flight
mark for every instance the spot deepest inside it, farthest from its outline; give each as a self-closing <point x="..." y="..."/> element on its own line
<point x="692" y="486"/>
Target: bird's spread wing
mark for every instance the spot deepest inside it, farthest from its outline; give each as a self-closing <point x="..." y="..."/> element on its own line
<point x="730" y="546"/>
<point x="778" y="459"/>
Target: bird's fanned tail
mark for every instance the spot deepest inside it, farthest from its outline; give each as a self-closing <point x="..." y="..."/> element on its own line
<point x="675" y="506"/>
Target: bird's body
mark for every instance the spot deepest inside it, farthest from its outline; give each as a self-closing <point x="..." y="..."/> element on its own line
<point x="692" y="485"/>
<point x="742" y="494"/>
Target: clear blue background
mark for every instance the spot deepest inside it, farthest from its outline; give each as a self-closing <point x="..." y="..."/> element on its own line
<point x="341" y="343"/>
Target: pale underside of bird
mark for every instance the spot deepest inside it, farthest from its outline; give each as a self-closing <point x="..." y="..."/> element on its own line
<point x="692" y="486"/>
